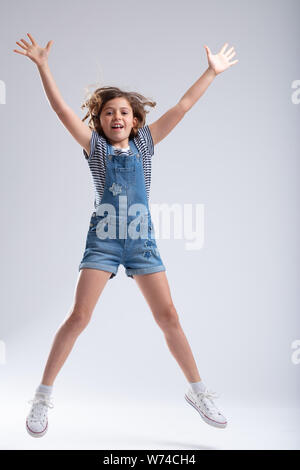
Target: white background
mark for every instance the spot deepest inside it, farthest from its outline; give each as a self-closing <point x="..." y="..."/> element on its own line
<point x="236" y="152"/>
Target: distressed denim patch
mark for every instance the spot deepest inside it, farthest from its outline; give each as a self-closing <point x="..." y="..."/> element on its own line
<point x="115" y="189"/>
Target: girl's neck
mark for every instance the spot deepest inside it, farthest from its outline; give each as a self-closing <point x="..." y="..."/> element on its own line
<point x="123" y="145"/>
<point x="121" y="148"/>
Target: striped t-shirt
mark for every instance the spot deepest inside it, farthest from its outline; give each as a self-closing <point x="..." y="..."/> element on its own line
<point x="96" y="159"/>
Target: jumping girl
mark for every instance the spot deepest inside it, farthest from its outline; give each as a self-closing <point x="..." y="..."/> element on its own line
<point x="118" y="147"/>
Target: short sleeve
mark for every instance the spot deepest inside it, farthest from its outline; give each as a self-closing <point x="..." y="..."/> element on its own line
<point x="145" y="135"/>
<point x="93" y="142"/>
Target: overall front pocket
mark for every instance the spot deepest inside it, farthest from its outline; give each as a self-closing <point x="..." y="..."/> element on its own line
<point x="125" y="176"/>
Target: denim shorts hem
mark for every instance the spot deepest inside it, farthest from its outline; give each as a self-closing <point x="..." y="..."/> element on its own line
<point x="102" y="267"/>
<point x="153" y="269"/>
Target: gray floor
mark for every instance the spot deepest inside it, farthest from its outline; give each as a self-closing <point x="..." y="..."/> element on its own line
<point x="117" y="423"/>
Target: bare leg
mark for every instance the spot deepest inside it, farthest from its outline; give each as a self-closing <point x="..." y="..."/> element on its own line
<point x="90" y="284"/>
<point x="155" y="289"/>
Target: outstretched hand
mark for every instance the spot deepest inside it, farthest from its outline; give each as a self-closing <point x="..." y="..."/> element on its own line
<point x="220" y="62"/>
<point x="37" y="54"/>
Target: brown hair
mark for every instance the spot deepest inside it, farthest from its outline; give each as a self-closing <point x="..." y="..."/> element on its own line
<point x="100" y="96"/>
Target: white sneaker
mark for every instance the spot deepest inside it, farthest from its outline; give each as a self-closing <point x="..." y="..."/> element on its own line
<point x="203" y="403"/>
<point x="37" y="420"/>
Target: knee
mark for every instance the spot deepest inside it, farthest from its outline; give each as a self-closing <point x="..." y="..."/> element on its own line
<point x="79" y="318"/>
<point x="168" y="317"/>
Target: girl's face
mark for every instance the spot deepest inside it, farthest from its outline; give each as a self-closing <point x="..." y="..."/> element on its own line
<point x="117" y="111"/>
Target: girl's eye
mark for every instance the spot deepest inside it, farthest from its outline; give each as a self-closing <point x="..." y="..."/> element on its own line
<point x="109" y="112"/>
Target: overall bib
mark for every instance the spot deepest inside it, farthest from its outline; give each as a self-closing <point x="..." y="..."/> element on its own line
<point x="121" y="230"/>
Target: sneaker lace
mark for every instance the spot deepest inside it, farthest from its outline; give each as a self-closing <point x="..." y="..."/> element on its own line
<point x="209" y="395"/>
<point x="38" y="410"/>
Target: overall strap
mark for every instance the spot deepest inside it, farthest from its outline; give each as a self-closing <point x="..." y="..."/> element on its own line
<point x="133" y="147"/>
<point x="109" y="149"/>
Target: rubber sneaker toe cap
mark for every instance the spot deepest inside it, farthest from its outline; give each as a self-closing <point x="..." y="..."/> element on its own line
<point x="36" y="428"/>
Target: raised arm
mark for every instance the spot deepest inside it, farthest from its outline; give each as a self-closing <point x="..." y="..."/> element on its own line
<point x="216" y="64"/>
<point x="80" y="131"/>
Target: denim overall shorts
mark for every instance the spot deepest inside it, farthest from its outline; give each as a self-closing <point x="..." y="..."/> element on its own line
<point x="121" y="230"/>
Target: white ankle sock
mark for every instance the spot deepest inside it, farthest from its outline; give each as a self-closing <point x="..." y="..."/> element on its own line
<point x="197" y="386"/>
<point x="46" y="389"/>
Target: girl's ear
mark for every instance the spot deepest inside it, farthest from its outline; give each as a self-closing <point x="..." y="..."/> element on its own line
<point x="135" y="122"/>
